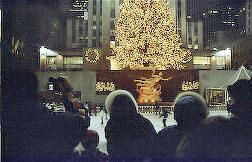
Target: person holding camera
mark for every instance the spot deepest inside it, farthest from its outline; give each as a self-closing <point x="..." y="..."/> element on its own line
<point x="29" y="132"/>
<point x="71" y="104"/>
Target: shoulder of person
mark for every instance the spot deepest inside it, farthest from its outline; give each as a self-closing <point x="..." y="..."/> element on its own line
<point x="142" y="119"/>
<point x="168" y="130"/>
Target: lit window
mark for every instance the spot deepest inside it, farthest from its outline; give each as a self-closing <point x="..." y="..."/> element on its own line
<point x="220" y="61"/>
<point x="51" y="60"/>
<point x="73" y="60"/>
<point x="112" y="44"/>
<point x="196" y="46"/>
<point x="200" y="60"/>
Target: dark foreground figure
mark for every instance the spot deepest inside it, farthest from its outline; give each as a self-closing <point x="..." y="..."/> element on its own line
<point x="190" y="110"/>
<point x="92" y="153"/>
<point x="29" y="133"/>
<point x="224" y="138"/>
<point x="129" y="135"/>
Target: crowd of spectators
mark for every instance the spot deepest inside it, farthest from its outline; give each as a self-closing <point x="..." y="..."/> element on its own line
<point x="30" y="133"/>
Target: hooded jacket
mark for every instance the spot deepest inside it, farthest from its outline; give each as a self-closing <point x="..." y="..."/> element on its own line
<point x="189" y="110"/>
<point x="128" y="134"/>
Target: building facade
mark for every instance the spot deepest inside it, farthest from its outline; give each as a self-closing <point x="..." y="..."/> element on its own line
<point x="203" y="25"/>
<point x="249" y="17"/>
<point x="189" y="25"/>
<point x="26" y="26"/>
<point x="89" y="26"/>
<point x="199" y="21"/>
<point x="90" y="23"/>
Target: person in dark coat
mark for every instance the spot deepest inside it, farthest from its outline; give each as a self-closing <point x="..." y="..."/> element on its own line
<point x="189" y="110"/>
<point x="89" y="108"/>
<point x="29" y="133"/>
<point x="157" y="108"/>
<point x="165" y="116"/>
<point x="224" y="138"/>
<point x="91" y="152"/>
<point x="129" y="135"/>
<point x="70" y="102"/>
<point x="102" y="112"/>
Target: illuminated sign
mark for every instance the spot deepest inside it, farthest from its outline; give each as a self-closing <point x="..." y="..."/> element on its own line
<point x="190" y="85"/>
<point x="105" y="86"/>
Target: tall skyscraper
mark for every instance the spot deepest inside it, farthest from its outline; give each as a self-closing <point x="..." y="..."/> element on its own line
<point x="242" y="48"/>
<point x="189" y="23"/>
<point x="110" y="10"/>
<point x="77" y="16"/>
<point x="249" y="17"/>
<point x="199" y="20"/>
<point x="90" y="23"/>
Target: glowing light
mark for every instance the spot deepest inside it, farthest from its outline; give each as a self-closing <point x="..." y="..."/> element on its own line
<point x="190" y="85"/>
<point x="149" y="89"/>
<point x="105" y="86"/>
<point x="92" y="55"/>
<point x="146" y="36"/>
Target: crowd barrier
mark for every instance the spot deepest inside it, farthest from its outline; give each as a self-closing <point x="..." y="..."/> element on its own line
<point x="170" y="108"/>
<point x="153" y="109"/>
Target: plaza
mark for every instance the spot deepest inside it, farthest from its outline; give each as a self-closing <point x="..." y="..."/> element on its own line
<point x="62" y="59"/>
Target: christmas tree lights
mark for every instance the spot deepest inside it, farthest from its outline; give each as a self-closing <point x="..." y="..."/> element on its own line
<point x="146" y="36"/>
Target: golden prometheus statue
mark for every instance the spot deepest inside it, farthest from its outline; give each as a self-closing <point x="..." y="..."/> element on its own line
<point x="149" y="89"/>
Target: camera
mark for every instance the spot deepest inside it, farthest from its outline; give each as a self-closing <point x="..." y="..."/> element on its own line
<point x="59" y="84"/>
<point x="53" y="84"/>
<point x="50" y="87"/>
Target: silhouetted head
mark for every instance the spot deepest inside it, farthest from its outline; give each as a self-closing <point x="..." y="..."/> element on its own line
<point x="20" y="86"/>
<point x="121" y="104"/>
<point x="20" y="94"/>
<point x="91" y="140"/>
<point x="189" y="109"/>
<point x="241" y="93"/>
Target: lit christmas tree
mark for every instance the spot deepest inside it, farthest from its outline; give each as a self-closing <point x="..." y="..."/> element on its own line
<point x="146" y="35"/>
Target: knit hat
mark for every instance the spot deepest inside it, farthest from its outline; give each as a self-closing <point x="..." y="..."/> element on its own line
<point x="110" y="98"/>
<point x="190" y="108"/>
<point x="241" y="90"/>
<point x="91" y="139"/>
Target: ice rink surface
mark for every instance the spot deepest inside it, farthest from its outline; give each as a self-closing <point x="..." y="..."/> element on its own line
<point x="156" y="120"/>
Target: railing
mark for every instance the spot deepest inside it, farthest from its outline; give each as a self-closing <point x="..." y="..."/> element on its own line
<point x="170" y="108"/>
<point x="217" y="108"/>
<point x="153" y="109"/>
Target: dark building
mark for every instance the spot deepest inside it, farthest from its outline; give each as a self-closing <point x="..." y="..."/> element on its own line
<point x="27" y="25"/>
<point x="199" y="20"/>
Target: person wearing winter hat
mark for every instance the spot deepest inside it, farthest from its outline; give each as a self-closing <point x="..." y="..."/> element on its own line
<point x="220" y="137"/>
<point x="90" y="143"/>
<point x="189" y="110"/>
<point x="241" y="94"/>
<point x="129" y="135"/>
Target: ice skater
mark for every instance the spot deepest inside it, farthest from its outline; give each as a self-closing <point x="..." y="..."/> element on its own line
<point x="157" y="108"/>
<point x="165" y="116"/>
<point x="101" y="113"/>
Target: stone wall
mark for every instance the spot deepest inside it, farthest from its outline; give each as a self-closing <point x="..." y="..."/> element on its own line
<point x="83" y="81"/>
<point x="213" y="78"/>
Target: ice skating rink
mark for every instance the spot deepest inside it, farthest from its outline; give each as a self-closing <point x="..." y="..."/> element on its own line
<point x="156" y="120"/>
